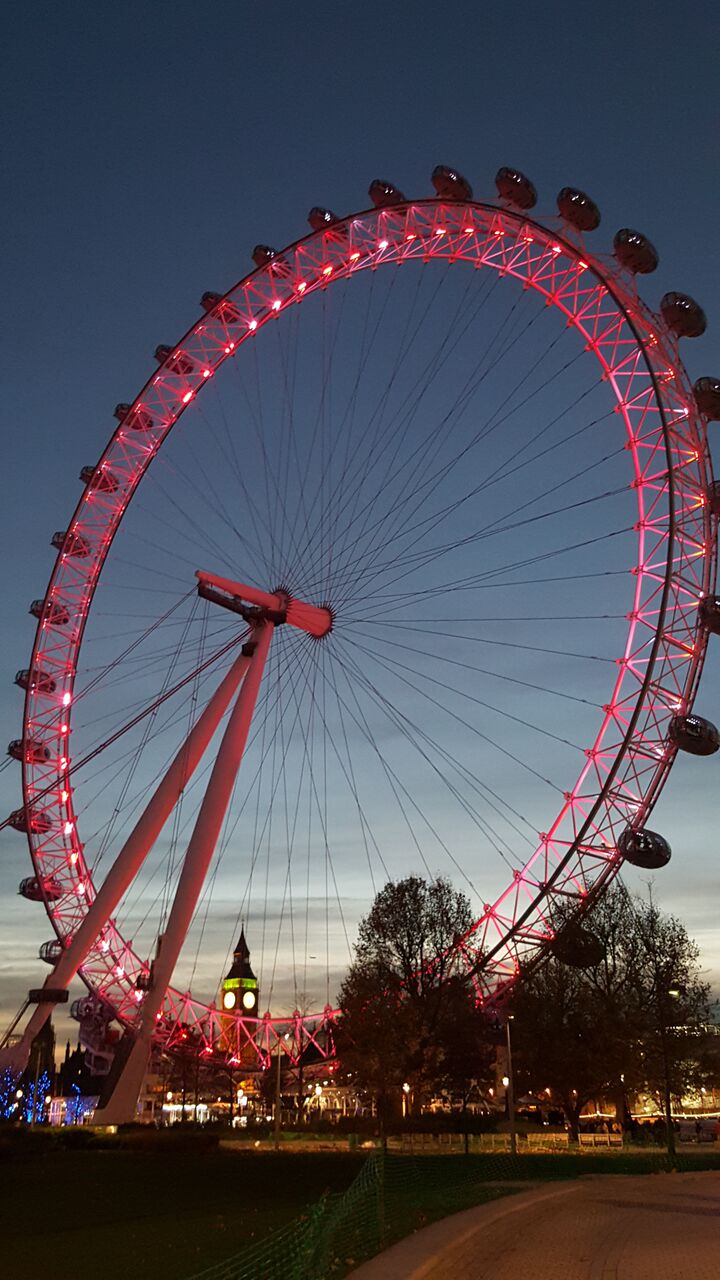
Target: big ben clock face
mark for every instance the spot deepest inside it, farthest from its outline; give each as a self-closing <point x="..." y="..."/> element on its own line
<point x="249" y="1000"/>
<point x="229" y="999"/>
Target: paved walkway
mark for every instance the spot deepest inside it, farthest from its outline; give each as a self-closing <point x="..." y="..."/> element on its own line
<point x="656" y="1227"/>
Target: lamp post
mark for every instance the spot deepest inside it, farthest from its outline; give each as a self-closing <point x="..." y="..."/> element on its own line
<point x="667" y="990"/>
<point x="510" y="1087"/>
<point x="278" y="1096"/>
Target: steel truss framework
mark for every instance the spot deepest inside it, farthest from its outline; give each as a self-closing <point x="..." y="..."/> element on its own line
<point x="657" y="675"/>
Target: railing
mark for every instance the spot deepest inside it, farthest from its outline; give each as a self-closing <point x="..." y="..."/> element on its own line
<point x="601" y="1139"/>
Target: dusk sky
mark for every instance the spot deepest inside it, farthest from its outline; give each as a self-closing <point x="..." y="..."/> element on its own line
<point x="147" y="150"/>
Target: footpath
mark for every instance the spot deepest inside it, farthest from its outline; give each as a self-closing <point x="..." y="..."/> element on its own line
<point x="654" y="1227"/>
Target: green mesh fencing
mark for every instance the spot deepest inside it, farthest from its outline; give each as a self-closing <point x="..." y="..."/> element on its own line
<point x="398" y="1193"/>
<point x="391" y="1196"/>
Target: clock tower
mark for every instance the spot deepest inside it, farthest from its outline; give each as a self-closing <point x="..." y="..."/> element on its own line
<point x="239" y="993"/>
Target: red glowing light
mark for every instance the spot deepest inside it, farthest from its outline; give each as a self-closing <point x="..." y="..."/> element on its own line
<point x="188" y="397"/>
<point x="207" y="373"/>
<point x="327" y="271"/>
<point x="354" y="256"/>
<point x="252" y="326"/>
<point x="302" y="287"/>
<point x="66" y="699"/>
<point x="276" y="305"/>
<point x="383" y="244"/>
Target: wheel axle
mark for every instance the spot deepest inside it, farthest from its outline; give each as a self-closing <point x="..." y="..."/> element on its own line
<point x="255" y="606"/>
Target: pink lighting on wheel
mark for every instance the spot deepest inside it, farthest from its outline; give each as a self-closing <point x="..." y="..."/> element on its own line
<point x="601" y="322"/>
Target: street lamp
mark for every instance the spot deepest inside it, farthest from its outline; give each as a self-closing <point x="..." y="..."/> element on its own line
<point x="667" y="989"/>
<point x="510" y="1087"/>
<point x="278" y="1095"/>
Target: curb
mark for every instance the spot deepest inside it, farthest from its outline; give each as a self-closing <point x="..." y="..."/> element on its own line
<point x="414" y="1257"/>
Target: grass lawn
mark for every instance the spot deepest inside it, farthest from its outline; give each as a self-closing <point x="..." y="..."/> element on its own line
<point x="150" y="1215"/>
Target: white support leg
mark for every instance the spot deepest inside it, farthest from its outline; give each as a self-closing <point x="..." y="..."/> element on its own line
<point x="131" y="856"/>
<point x="121" y="1107"/>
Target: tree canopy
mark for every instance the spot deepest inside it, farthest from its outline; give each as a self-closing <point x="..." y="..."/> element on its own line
<point x="408" y="1012"/>
<point x="631" y="1022"/>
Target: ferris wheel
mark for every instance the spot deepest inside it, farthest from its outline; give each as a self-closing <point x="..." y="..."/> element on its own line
<point x="403" y="559"/>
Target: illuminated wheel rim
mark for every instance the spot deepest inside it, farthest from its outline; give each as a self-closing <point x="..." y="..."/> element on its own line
<point x="657" y="673"/>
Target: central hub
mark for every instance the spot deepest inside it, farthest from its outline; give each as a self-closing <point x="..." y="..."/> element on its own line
<point x="254" y="606"/>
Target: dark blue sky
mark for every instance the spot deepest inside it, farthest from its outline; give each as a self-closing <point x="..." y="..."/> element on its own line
<point x="148" y="148"/>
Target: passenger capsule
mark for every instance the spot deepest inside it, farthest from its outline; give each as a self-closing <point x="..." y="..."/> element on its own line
<point x="35" y="890"/>
<point x="577" y="947"/>
<point x="71" y="544"/>
<point x="262" y="254"/>
<point x="33" y="820"/>
<point x="695" y="735"/>
<point x="56" y="615"/>
<point x="384" y="195"/>
<point x="644" y="849"/>
<point x="713" y="497"/>
<point x="707" y="398"/>
<point x="51" y="951"/>
<point x="29" y="750"/>
<point x="178" y="361"/>
<point x="578" y="209"/>
<point x="227" y="312"/>
<point x="709" y="614"/>
<point x="634" y="252"/>
<point x="449" y="184"/>
<point x="35" y="681"/>
<point x="137" y="419"/>
<point x="100" y="481"/>
<point x="321" y="219"/>
<point x="513" y="186"/>
<point x="683" y="315"/>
